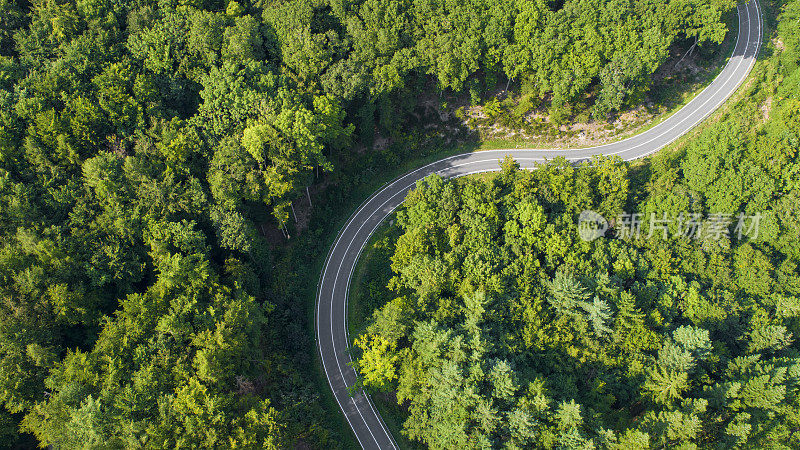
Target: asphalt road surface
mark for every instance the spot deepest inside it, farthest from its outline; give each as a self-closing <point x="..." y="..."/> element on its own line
<point x="331" y="315"/>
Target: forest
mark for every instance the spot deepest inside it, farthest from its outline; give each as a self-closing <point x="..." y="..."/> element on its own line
<point x="154" y="284"/>
<point x="498" y="325"/>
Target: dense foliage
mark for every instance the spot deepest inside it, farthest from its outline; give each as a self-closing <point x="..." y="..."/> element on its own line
<point x="145" y="146"/>
<point x="553" y="47"/>
<point x="508" y="329"/>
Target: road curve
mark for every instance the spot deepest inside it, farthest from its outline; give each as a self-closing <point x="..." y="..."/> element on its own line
<point x="331" y="314"/>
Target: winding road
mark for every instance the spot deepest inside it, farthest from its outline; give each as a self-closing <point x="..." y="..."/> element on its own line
<point x="331" y="314"/>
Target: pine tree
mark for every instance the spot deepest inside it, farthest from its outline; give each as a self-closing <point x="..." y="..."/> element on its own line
<point x="598" y="313"/>
<point x="666" y="386"/>
<point x="566" y="293"/>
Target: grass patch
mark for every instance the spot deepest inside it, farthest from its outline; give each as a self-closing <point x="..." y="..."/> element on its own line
<point x="368" y="292"/>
